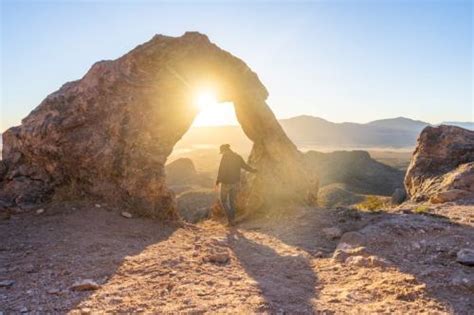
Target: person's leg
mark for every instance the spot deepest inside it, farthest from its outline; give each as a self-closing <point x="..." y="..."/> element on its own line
<point x="232" y="197"/>
<point x="224" y="198"/>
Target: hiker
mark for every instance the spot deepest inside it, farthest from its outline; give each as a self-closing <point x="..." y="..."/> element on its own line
<point x="229" y="179"/>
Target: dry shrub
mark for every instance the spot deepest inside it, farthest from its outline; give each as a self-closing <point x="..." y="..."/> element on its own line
<point x="372" y="203"/>
<point x="421" y="209"/>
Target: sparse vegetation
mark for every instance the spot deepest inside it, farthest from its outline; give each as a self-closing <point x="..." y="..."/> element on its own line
<point x="372" y="203"/>
<point x="421" y="209"/>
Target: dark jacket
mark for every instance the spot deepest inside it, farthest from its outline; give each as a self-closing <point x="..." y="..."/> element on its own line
<point x="229" y="169"/>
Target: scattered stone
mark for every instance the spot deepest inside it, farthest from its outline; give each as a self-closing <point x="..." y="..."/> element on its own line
<point x="343" y="252"/>
<point x="7" y="283"/>
<point x="332" y="232"/>
<point x="86" y="311"/>
<point x="219" y="241"/>
<point x="85" y="285"/>
<point x="218" y="258"/>
<point x="23" y="310"/>
<point x="370" y="261"/>
<point x="54" y="291"/>
<point x="40" y="211"/>
<point x="466" y="257"/>
<point x="98" y="205"/>
<point x="126" y="214"/>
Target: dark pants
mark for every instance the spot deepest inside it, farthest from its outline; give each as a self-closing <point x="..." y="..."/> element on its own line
<point x="227" y="197"/>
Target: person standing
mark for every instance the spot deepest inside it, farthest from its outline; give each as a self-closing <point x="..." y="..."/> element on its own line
<point x="229" y="179"/>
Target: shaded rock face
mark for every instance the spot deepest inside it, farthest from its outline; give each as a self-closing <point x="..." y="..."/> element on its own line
<point x="356" y="170"/>
<point x="442" y="166"/>
<point x="108" y="135"/>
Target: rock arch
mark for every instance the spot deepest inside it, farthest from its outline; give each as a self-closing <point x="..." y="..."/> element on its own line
<point x="109" y="134"/>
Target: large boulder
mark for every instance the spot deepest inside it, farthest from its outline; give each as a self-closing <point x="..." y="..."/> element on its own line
<point x="442" y="166"/>
<point x="180" y="171"/>
<point x="108" y="135"/>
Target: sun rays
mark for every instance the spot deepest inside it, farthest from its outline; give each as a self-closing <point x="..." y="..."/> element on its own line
<point x="211" y="111"/>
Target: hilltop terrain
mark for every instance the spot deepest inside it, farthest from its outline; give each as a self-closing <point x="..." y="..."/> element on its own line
<point x="302" y="260"/>
<point x="95" y="217"/>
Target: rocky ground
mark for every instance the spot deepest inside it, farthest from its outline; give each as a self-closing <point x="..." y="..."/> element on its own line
<point x="305" y="260"/>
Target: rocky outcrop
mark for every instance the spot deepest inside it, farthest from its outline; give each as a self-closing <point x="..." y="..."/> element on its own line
<point x="358" y="172"/>
<point x="442" y="166"/>
<point x="108" y="135"/>
<point x="337" y="195"/>
<point x="182" y="172"/>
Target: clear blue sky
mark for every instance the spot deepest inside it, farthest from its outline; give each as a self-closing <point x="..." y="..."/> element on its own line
<point x="340" y="60"/>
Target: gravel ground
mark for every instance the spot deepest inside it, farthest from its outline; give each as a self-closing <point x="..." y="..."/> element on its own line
<point x="303" y="260"/>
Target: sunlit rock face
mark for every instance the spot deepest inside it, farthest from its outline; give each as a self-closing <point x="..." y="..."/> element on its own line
<point x="108" y="135"/>
<point x="442" y="166"/>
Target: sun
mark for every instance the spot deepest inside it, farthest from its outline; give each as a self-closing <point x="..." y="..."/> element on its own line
<point x="205" y="99"/>
<point x="211" y="112"/>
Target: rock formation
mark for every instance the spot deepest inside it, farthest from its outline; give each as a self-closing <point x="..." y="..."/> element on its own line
<point x="442" y="166"/>
<point x="108" y="135"/>
<point x="356" y="170"/>
<point x="180" y="170"/>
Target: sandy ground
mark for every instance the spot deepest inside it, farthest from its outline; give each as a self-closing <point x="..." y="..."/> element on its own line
<point x="282" y="263"/>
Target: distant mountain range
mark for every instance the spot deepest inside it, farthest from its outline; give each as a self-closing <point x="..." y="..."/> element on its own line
<point x="310" y="131"/>
<point x="394" y="132"/>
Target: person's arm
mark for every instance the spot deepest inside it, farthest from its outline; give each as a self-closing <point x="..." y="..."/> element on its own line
<point x="247" y="167"/>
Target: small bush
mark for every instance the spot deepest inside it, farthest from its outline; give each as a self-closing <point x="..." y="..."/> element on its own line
<point x="421" y="209"/>
<point x="371" y="203"/>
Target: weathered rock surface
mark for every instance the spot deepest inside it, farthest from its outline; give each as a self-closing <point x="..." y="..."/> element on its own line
<point x="442" y="166"/>
<point x="108" y="135"/>
<point x="356" y="170"/>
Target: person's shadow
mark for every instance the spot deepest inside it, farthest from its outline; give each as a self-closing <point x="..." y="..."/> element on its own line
<point x="287" y="282"/>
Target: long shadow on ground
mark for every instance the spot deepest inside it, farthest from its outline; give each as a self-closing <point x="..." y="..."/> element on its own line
<point x="422" y="245"/>
<point x="286" y="280"/>
<point x="45" y="254"/>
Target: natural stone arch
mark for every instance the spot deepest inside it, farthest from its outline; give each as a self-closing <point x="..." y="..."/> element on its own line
<point x="109" y="134"/>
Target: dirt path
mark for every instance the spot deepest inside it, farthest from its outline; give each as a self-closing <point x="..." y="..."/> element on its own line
<point x="278" y="264"/>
